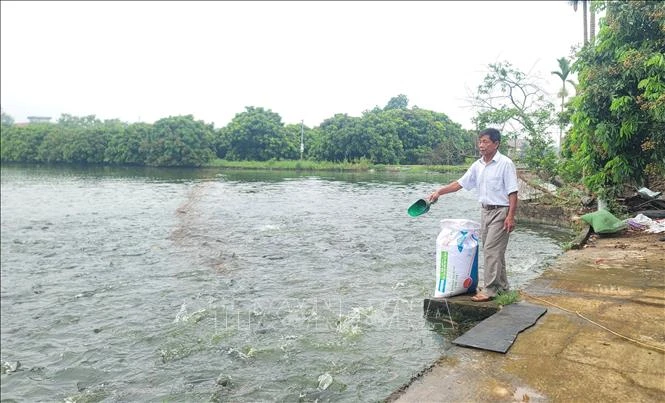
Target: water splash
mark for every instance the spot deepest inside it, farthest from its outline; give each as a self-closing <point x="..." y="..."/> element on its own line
<point x="354" y="323"/>
<point x="184" y="316"/>
<point x="324" y="381"/>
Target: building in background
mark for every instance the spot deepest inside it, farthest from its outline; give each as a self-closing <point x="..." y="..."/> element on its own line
<point x="39" y="119"/>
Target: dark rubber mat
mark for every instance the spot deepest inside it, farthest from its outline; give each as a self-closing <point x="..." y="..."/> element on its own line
<point x="499" y="331"/>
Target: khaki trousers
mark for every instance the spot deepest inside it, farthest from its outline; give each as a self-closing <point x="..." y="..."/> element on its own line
<point x="494" y="241"/>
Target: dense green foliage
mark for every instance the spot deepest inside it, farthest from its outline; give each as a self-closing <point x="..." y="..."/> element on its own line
<point x="179" y="141"/>
<point x="431" y="138"/>
<point x="618" y="114"/>
<point x="256" y="134"/>
<point x="173" y="141"/>
<point x="393" y="135"/>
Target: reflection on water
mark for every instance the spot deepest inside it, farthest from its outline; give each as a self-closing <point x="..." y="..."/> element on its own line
<point x="135" y="284"/>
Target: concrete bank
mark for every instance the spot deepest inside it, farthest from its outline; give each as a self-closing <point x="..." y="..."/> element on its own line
<point x="602" y="339"/>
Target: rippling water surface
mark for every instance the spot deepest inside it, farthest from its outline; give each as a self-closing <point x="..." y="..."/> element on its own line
<point x="210" y="285"/>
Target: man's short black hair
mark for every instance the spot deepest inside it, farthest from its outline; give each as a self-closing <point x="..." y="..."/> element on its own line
<point x="494" y="134"/>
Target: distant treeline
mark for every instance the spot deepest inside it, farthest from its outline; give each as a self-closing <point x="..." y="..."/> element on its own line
<point x="392" y="135"/>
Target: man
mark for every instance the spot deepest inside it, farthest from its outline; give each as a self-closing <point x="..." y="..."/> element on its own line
<point x="495" y="177"/>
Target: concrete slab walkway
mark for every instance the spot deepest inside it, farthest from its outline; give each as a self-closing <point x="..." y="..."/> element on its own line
<point x="602" y="338"/>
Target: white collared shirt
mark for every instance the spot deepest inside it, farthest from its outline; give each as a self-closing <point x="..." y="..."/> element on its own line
<point x="494" y="180"/>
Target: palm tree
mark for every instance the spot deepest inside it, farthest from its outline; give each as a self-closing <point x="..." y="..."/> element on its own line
<point x="592" y="22"/>
<point x="575" y="3"/>
<point x="564" y="71"/>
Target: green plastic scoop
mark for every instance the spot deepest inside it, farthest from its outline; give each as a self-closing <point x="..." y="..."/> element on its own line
<point x="419" y="207"/>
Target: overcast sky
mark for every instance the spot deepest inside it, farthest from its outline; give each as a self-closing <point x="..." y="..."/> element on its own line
<point x="305" y="60"/>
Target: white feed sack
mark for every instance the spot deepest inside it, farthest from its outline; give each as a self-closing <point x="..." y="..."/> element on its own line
<point x="457" y="257"/>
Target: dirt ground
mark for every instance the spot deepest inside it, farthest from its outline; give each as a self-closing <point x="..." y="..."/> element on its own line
<point x="602" y="338"/>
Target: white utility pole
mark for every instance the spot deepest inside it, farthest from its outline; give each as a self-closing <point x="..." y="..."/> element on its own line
<point x="302" y="137"/>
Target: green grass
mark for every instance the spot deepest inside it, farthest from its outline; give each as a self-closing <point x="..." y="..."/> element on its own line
<point x="507" y="298"/>
<point x="430" y="168"/>
<point x="295" y="165"/>
<point x="308" y="165"/>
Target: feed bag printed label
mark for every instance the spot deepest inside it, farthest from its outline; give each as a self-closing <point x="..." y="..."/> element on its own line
<point x="456" y="258"/>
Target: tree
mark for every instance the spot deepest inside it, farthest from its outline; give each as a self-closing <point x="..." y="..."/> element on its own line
<point x="378" y="139"/>
<point x="67" y="120"/>
<point x="85" y="144"/>
<point x="52" y="145"/>
<point x="124" y="144"/>
<point x="588" y="9"/>
<point x="21" y="143"/>
<point x="6" y="119"/>
<point x="398" y="102"/>
<point x="592" y="21"/>
<point x="336" y="140"/>
<point x="512" y="101"/>
<point x="618" y="132"/>
<point x="564" y="71"/>
<point x="257" y="134"/>
<point x="179" y="141"/>
<point x="430" y="137"/>
<point x="575" y="4"/>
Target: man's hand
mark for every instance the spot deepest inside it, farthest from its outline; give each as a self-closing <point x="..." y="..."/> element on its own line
<point x="449" y="188"/>
<point x="509" y="224"/>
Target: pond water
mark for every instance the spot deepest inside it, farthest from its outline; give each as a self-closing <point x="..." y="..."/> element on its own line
<point x="123" y="284"/>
